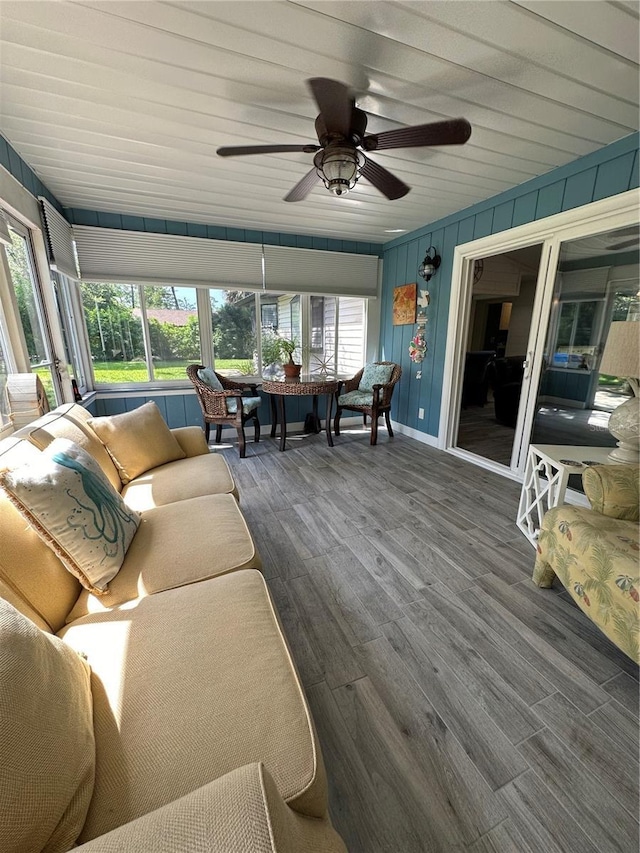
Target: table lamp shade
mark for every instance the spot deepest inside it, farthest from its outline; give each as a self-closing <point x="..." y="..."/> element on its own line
<point x="621" y="357"/>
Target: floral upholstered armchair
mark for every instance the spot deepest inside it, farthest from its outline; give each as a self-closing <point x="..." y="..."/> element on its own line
<point x="595" y="553"/>
<point x="369" y="392"/>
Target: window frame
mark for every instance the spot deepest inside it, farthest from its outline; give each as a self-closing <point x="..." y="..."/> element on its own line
<point x="207" y="354"/>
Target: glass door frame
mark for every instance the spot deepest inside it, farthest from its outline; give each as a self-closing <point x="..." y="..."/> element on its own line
<point x="608" y="214"/>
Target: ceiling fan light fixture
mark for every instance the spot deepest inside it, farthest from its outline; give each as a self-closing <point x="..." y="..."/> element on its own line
<point x="429" y="266"/>
<point x="339" y="166"/>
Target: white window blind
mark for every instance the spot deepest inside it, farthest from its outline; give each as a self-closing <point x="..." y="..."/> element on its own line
<point x="59" y="240"/>
<point x="134" y="257"/>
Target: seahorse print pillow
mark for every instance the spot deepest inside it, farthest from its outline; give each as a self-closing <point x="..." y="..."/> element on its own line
<point x="70" y="503"/>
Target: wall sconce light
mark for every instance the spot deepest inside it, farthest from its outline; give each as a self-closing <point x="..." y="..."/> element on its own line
<point x="430" y="264"/>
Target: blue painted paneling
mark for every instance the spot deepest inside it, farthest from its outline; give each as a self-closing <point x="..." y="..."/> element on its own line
<point x="179" y="228"/>
<point x="483" y="224"/>
<point x="524" y="209"/>
<point x="614" y="176"/>
<point x="132" y="223"/>
<point x="109" y="220"/>
<point x="605" y="172"/>
<point x="579" y="189"/>
<point x="503" y="216"/>
<point x="550" y="200"/>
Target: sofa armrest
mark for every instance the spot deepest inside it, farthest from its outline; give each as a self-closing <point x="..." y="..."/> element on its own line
<point x="613" y="490"/>
<point x="241" y="811"/>
<point x="191" y="439"/>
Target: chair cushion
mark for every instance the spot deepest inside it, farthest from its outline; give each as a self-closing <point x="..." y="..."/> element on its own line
<point x="248" y="405"/>
<point x="208" y="376"/>
<point x="189" y="685"/>
<point x="192" y="477"/>
<point x="178" y="544"/>
<point x="46" y="737"/>
<point x="356" y="398"/>
<point x="374" y="374"/>
<point x="137" y="440"/>
<point x="66" y="497"/>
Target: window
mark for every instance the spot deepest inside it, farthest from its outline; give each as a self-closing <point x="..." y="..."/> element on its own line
<point x="67" y="296"/>
<point x="5" y="368"/>
<point x="576" y="344"/>
<point x="30" y="310"/>
<point x="149" y="334"/>
<point x="233" y="325"/>
<point x="317" y="323"/>
<point x="173" y="330"/>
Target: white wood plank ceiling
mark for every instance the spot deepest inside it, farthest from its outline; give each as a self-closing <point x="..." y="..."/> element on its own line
<point x="120" y="106"/>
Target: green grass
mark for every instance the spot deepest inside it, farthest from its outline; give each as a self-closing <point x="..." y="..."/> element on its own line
<point x="119" y="372"/>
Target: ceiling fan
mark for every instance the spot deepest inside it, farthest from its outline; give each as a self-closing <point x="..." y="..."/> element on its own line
<point x="625" y="244"/>
<point x="339" y="157"/>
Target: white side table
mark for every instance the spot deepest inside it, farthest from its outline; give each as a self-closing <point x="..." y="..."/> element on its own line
<point x="546" y="477"/>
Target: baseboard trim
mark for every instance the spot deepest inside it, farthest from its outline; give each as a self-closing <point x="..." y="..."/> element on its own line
<point x="424" y="437"/>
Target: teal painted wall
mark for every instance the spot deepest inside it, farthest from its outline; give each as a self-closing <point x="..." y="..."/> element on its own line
<point x="183" y="409"/>
<point x="606" y="172"/>
<point x="22" y="172"/>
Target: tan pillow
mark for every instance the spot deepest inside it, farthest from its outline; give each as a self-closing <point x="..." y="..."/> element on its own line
<point x="137" y="440"/>
<point x="46" y="738"/>
<point x="68" y="500"/>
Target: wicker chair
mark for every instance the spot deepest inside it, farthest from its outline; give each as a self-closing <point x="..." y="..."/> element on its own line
<point x="378" y="403"/>
<point x="214" y="406"/>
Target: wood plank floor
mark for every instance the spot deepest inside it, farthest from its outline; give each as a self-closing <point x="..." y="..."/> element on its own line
<point x="459" y="707"/>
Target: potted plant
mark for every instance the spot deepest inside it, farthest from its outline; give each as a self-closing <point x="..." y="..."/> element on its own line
<point x="288" y="346"/>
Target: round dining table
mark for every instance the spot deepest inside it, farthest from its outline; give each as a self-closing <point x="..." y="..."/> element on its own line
<point x="281" y="387"/>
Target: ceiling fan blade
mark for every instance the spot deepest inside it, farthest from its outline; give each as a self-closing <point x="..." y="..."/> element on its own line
<point x="241" y="150"/>
<point x="453" y="131"/>
<point x="334" y="101"/>
<point x="303" y="187"/>
<point x="384" y="181"/>
<point x="624" y="245"/>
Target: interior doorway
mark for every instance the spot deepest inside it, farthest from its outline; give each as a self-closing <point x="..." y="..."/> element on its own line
<point x="500" y="315"/>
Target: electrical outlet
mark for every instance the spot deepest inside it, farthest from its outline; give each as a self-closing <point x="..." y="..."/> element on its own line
<point x="418" y="374"/>
<point x="421" y="414"/>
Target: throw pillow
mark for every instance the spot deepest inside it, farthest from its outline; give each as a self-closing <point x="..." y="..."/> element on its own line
<point x="208" y="376"/>
<point x="70" y="503"/>
<point x="46" y="732"/>
<point x="375" y="374"/>
<point x="137" y="441"/>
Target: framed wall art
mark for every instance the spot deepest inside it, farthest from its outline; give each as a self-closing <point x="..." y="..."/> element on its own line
<point x="404" y="304"/>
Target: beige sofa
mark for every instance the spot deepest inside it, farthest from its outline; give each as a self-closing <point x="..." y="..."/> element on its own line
<point x="180" y="724"/>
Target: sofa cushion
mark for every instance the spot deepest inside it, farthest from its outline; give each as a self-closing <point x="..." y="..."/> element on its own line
<point x="68" y="500"/>
<point x="27" y="565"/>
<point x="188" y="685"/>
<point x="137" y="440"/>
<point x="241" y="811"/>
<point x="177" y="481"/>
<point x="374" y="374"/>
<point x="178" y="544"/>
<point x="70" y="421"/>
<point x="46" y="737"/>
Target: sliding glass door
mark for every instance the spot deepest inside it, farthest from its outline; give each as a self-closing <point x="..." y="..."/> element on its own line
<point x="527" y="333"/>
